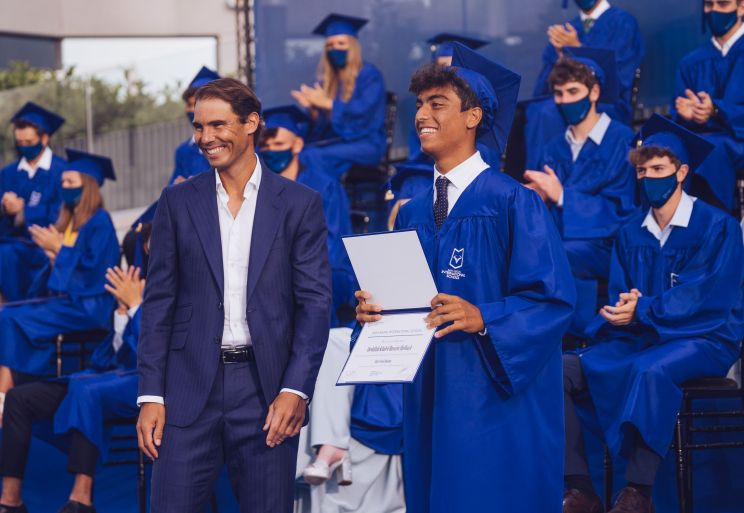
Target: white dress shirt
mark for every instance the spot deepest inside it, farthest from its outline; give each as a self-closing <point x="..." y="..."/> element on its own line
<point x="460" y="177"/>
<point x="596" y="134"/>
<point x="724" y="49"/>
<point x="680" y="218"/>
<point x="120" y="324"/>
<point x="45" y="162"/>
<point x="599" y="11"/>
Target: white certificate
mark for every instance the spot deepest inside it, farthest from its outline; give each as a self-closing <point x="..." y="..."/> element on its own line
<point x="388" y="351"/>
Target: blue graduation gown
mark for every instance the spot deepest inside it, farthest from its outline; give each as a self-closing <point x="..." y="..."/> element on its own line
<point x="689" y="324"/>
<point x="79" y="301"/>
<point x="598" y="198"/>
<point x="706" y="69"/>
<point x="615" y="30"/>
<point x="338" y="219"/>
<point x="104" y="391"/>
<point x="353" y="131"/>
<point x="484" y="416"/>
<point x="189" y="161"/>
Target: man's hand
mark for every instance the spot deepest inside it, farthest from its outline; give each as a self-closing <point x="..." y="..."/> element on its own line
<point x="704" y="109"/>
<point x="547" y="184"/>
<point x="463" y="315"/>
<point x="150" y="428"/>
<point x="12" y="204"/>
<point x="126" y="286"/>
<point x="47" y="238"/>
<point x="624" y="310"/>
<point x="179" y="179"/>
<point x="683" y="106"/>
<point x="366" y="312"/>
<point x="561" y="36"/>
<point x="285" y="418"/>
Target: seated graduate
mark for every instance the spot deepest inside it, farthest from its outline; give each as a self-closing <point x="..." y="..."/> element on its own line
<point x="29" y="192"/>
<point x="677" y="276"/>
<point x="281" y="142"/>
<point x="189" y="160"/>
<point x="354" y="434"/>
<point x="70" y="290"/>
<point x="78" y="405"/>
<point x="488" y="391"/>
<point x="709" y="98"/>
<point x="598" y="25"/>
<point x="347" y="105"/>
<point x="585" y="177"/>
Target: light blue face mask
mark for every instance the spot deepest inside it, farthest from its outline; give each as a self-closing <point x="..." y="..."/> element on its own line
<point x="575" y="112"/>
<point x="30" y="152"/>
<point x="657" y="191"/>
<point x="338" y="58"/>
<point x="721" y="22"/>
<point x="277" y="160"/>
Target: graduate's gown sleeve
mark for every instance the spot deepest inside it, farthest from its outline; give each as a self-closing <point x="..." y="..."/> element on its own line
<point x="523" y="328"/>
<point x="365" y="110"/>
<point x="700" y="302"/>
<point x="46" y="211"/>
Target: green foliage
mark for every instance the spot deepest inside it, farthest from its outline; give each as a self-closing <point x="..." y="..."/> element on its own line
<point x="115" y="106"/>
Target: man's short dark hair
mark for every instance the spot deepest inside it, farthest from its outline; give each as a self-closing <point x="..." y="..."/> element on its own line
<point x="434" y="75"/>
<point x="568" y="70"/>
<point x="188" y="93"/>
<point x="267" y="134"/>
<point x="639" y="156"/>
<point x="241" y="98"/>
<point x="25" y="124"/>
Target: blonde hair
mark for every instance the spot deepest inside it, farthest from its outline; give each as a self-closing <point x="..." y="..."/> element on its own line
<point x="330" y="76"/>
<point x="90" y="201"/>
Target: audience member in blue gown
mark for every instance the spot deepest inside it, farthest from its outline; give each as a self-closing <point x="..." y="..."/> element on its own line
<point x="281" y="143"/>
<point x="79" y="405"/>
<point x="29" y="192"/>
<point x="584" y="175"/>
<point x="677" y="279"/>
<point x="598" y="25"/>
<point x="189" y="160"/>
<point x="346" y="105"/>
<point x="709" y="97"/>
<point x="69" y="292"/>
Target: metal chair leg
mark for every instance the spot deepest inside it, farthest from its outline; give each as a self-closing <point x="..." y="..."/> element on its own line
<point x="608" y="478"/>
<point x="141" y="483"/>
<point x="688" y="457"/>
<point x="680" y="453"/>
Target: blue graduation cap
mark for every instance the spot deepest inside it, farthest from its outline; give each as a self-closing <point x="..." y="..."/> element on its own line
<point x="290" y="117"/>
<point x="603" y="64"/>
<point x="203" y="77"/>
<point x="687" y="146"/>
<point x="497" y="89"/>
<point x="147" y="216"/>
<point x="339" y="24"/>
<point x="46" y="120"/>
<point x="441" y="43"/>
<point x="99" y="167"/>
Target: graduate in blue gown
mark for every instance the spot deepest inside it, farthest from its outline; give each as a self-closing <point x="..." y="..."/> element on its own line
<point x="29" y="192"/>
<point x="79" y="405"/>
<point x="189" y="160"/>
<point x="598" y="25"/>
<point x="346" y="106"/>
<point x="281" y="145"/>
<point x="709" y="99"/>
<point x="483" y="418"/>
<point x="584" y="175"/>
<point x="676" y="285"/>
<point x="70" y="294"/>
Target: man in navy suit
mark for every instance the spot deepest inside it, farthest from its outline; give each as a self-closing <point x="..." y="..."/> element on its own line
<point x="235" y="319"/>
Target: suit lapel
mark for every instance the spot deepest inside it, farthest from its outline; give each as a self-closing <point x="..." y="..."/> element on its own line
<point x="269" y="215"/>
<point x="204" y="217"/>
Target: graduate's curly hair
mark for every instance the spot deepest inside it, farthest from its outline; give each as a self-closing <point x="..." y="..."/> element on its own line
<point x="241" y="98"/>
<point x="568" y="70"/>
<point x="641" y="155"/>
<point x="434" y="75"/>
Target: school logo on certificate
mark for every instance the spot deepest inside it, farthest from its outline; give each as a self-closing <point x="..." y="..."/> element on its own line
<point x="456" y="261"/>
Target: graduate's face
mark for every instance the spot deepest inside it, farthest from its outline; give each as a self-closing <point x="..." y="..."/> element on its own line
<point x="571" y="92"/>
<point x="661" y="167"/>
<point x="190" y="104"/>
<point x="724" y="6"/>
<point x="28" y="136"/>
<point x="72" y="180"/>
<point x="220" y="134"/>
<point x="339" y="42"/>
<point x="283" y="140"/>
<point x="440" y="121"/>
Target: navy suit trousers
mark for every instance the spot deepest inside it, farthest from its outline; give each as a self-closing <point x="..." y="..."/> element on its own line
<point x="228" y="431"/>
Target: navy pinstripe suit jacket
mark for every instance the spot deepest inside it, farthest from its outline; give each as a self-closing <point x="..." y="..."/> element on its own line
<point x="289" y="293"/>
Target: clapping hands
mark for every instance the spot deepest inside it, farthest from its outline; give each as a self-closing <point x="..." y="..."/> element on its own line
<point x="313" y="97"/>
<point x="624" y="310"/>
<point x="698" y="108"/>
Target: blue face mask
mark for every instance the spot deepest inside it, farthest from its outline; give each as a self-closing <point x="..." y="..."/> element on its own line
<point x="278" y="160"/>
<point x="337" y="58"/>
<point x="657" y="191"/>
<point x="721" y="22"/>
<point x="586" y="5"/>
<point x="576" y="112"/>
<point x="190" y="115"/>
<point x="71" y="196"/>
<point x="30" y="152"/>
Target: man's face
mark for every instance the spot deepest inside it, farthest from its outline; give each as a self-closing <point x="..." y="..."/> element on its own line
<point x="220" y="134"/>
<point x="28" y="136"/>
<point x="723" y="6"/>
<point x="283" y="140"/>
<point x="571" y="92"/>
<point x="440" y="123"/>
<point x="659" y="167"/>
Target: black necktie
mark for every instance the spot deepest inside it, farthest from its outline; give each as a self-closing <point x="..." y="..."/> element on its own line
<point x="440" y="205"/>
